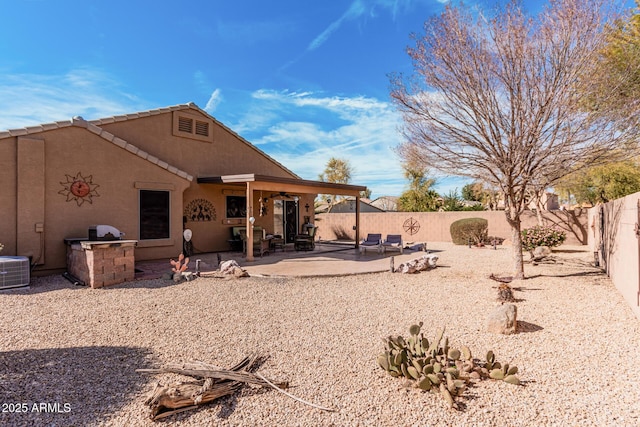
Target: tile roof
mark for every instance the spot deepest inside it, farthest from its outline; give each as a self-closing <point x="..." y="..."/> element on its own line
<point x="94" y="124"/>
<point x="187" y="106"/>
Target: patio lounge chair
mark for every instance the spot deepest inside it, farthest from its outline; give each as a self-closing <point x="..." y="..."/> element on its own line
<point x="393" y="242"/>
<point x="305" y="242"/>
<point x="373" y="241"/>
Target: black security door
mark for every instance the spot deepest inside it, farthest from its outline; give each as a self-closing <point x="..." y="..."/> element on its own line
<point x="290" y="220"/>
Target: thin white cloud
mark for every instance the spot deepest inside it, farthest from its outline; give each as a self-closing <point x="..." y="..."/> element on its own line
<point x="214" y="100"/>
<point x="360" y="129"/>
<point x="358" y="9"/>
<point x="30" y="99"/>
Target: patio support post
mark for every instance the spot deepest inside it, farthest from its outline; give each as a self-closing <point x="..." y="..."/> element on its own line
<point x="249" y="225"/>
<point x="357" y="222"/>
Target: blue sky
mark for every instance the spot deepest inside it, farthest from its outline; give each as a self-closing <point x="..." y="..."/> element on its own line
<point x="304" y="81"/>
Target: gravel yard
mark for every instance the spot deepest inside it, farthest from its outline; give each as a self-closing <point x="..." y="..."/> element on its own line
<point x="77" y="349"/>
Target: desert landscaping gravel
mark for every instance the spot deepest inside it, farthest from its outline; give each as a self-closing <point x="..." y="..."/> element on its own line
<point x="76" y="349"/>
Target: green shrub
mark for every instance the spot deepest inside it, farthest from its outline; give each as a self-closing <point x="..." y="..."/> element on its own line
<point x="542" y="236"/>
<point x="467" y="230"/>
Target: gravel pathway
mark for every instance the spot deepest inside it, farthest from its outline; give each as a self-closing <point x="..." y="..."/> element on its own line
<point x="75" y="349"/>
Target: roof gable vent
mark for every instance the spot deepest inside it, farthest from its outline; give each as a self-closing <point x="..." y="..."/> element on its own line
<point x="192" y="126"/>
<point x="202" y="128"/>
<point x="185" y="124"/>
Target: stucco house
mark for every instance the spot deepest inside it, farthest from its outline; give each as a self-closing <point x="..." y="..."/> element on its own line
<point x="150" y="175"/>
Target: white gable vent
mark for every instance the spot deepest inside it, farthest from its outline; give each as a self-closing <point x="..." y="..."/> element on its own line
<point x="14" y="272"/>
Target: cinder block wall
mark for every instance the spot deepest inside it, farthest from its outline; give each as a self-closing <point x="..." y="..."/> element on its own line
<point x="434" y="226"/>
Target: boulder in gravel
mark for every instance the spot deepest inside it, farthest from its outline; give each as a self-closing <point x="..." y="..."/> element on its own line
<point x="182" y="276"/>
<point x="503" y="320"/>
<point x="541" y="252"/>
<point x="232" y="268"/>
<point x="422" y="263"/>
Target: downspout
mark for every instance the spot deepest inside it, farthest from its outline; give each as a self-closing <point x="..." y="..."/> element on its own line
<point x="357" y="222"/>
<point x="248" y="223"/>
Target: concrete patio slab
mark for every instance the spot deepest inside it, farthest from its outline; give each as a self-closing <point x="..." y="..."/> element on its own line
<point x="326" y="260"/>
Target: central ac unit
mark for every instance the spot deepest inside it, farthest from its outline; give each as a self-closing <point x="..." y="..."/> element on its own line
<point x="14" y="272"/>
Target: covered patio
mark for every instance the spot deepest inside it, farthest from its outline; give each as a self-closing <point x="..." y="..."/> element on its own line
<point x="328" y="259"/>
<point x="252" y="184"/>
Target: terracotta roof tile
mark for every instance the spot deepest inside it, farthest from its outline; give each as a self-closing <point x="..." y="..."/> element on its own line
<point x="119" y="142"/>
<point x="142" y="154"/>
<point x="132" y="148"/>
<point x="95" y="129"/>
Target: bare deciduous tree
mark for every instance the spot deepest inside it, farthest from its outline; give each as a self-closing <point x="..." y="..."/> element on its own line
<point x="498" y="98"/>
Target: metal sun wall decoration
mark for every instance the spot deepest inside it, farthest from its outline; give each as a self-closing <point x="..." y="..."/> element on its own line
<point x="200" y="210"/>
<point x="79" y="188"/>
<point x="411" y="226"/>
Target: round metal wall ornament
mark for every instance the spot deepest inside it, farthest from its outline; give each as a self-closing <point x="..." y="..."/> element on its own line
<point x="79" y="188"/>
<point x="411" y="226"/>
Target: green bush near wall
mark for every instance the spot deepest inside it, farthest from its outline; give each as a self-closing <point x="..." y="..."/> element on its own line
<point x="467" y="230"/>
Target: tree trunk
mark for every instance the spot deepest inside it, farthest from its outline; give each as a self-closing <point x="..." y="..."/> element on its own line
<point x="539" y="216"/>
<point x="516" y="246"/>
<point x="540" y="207"/>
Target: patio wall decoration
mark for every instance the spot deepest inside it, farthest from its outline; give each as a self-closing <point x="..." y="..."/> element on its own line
<point x="236" y="206"/>
<point x="200" y="210"/>
<point x="79" y="188"/>
<point x="411" y="226"/>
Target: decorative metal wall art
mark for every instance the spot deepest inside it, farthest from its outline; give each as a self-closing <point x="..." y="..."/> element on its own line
<point x="200" y="210"/>
<point x="411" y="226"/>
<point x="79" y="188"/>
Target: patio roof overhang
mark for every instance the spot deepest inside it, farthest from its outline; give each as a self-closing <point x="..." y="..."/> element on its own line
<point x="256" y="182"/>
<point x="290" y="185"/>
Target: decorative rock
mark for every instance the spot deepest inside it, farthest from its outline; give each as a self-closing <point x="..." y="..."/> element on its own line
<point x="239" y="272"/>
<point x="503" y="320"/>
<point x="179" y="277"/>
<point x="423" y="263"/>
<point x="232" y="268"/>
<point x="541" y="252"/>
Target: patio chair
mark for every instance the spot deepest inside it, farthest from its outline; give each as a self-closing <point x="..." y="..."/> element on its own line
<point x="305" y="242"/>
<point x="393" y="242"/>
<point x="260" y="244"/>
<point x="373" y="241"/>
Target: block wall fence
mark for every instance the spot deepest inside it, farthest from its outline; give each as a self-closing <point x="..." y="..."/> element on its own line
<point x="614" y="237"/>
<point x="434" y="226"/>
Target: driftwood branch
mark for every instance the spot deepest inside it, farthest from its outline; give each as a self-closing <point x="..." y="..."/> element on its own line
<point x="211" y="383"/>
<point x="294" y="397"/>
<point x="223" y="374"/>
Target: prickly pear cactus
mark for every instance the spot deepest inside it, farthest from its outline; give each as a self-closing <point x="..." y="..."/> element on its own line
<point x="438" y="368"/>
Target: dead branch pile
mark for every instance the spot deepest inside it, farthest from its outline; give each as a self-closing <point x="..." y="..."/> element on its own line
<point x="209" y="383"/>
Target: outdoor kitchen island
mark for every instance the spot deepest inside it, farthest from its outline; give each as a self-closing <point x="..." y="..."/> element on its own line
<point x="101" y="263"/>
